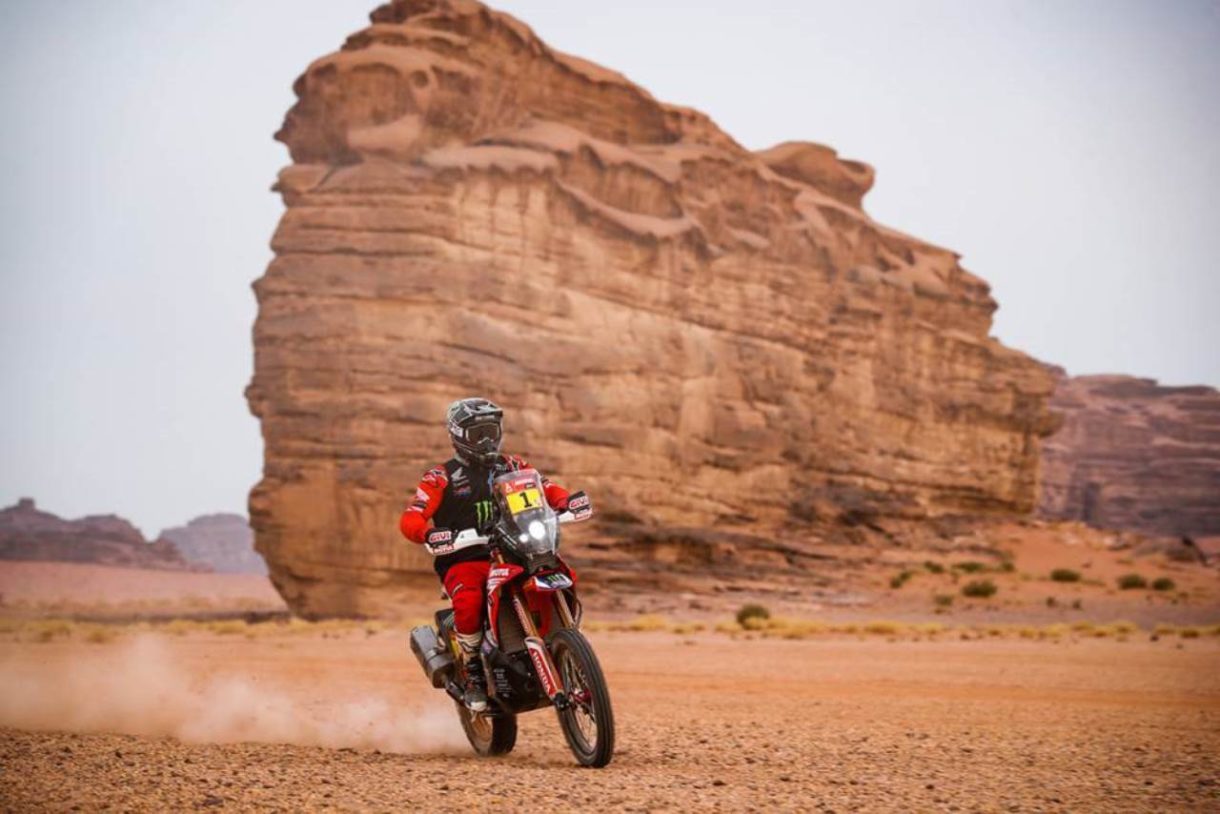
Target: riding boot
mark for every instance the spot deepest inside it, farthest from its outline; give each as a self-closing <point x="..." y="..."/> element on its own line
<point x="475" y="697"/>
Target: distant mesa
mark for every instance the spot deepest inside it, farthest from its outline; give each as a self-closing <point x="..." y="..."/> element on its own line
<point x="27" y="533"/>
<point x="223" y="542"/>
<point x="1133" y="454"/>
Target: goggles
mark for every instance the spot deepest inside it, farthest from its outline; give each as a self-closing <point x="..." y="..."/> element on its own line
<point x="477" y="434"/>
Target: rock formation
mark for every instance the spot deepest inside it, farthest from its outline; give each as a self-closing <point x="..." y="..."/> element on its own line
<point x="26" y="533"/>
<point x="1134" y="455"/>
<point x="700" y="335"/>
<point x="222" y="542"/>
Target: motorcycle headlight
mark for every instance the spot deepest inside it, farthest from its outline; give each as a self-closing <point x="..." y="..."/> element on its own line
<point x="537" y="530"/>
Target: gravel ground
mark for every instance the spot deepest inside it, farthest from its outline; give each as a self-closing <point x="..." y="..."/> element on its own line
<point x="705" y="723"/>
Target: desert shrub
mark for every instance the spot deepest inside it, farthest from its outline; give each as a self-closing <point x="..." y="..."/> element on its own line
<point x="803" y="631"/>
<point x="1163" y="584"/>
<point x="1051" y="602"/>
<point x="686" y="628"/>
<point x="934" y="567"/>
<point x="47" y="630"/>
<point x="1053" y="632"/>
<point x="1077" y="604"/>
<point x="970" y="567"/>
<point x="100" y="634"/>
<point x="1008" y="566"/>
<point x="1065" y="575"/>
<point x="882" y="628"/>
<point x="752" y="611"/>
<point x="230" y="627"/>
<point x="901" y="578"/>
<point x="1131" y="582"/>
<point x="1189" y="633"/>
<point x="979" y="589"/>
<point x="645" y="623"/>
<point x="943" y="600"/>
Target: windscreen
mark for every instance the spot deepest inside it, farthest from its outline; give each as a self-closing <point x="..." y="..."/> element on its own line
<point x="528" y="521"/>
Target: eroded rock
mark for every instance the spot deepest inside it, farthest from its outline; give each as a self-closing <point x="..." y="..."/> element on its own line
<point x="699" y="335"/>
<point x="1133" y="454"/>
<point x="28" y="533"/>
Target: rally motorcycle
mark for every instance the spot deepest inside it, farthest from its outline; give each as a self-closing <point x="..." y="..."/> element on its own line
<point x="533" y="652"/>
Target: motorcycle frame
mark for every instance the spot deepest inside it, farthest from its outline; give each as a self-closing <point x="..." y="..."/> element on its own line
<point x="504" y="582"/>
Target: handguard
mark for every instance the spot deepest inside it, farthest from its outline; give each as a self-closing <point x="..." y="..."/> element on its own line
<point x="465" y="539"/>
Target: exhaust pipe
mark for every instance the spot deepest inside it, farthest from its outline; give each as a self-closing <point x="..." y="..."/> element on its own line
<point x="436" y="660"/>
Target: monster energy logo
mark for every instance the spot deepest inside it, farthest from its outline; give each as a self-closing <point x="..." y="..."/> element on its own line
<point x="482" y="511"/>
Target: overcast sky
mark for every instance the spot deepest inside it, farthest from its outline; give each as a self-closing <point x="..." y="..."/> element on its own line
<point x="1070" y="151"/>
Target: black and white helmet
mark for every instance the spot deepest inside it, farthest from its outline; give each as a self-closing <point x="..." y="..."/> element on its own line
<point x="475" y="427"/>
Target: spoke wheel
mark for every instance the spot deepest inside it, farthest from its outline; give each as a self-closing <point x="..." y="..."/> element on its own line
<point x="488" y="736"/>
<point x="588" y="720"/>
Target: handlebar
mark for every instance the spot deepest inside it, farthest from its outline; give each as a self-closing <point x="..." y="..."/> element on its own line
<point x="469" y="538"/>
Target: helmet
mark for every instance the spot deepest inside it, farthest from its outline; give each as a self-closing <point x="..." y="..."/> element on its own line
<point x="475" y="427"/>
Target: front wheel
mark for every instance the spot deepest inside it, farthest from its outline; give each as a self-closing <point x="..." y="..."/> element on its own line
<point x="587" y="720"/>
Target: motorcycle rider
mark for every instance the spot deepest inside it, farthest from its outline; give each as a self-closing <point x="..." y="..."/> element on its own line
<point x="455" y="496"/>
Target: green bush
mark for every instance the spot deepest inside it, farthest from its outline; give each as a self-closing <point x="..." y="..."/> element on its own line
<point x="943" y="600"/>
<point x="1065" y="575"/>
<point x="970" y="567"/>
<point x="1132" y="582"/>
<point x="748" y="612"/>
<point x="1163" y="584"/>
<point x="900" y="579"/>
<point x="934" y="567"/>
<point x="979" y="588"/>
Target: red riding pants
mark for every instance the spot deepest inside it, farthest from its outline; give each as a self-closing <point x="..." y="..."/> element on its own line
<point x="466" y="583"/>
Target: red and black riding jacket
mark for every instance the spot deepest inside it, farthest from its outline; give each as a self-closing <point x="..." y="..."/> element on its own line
<point x="457" y="496"/>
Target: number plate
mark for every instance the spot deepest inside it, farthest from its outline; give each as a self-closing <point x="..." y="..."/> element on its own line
<point x="524" y="500"/>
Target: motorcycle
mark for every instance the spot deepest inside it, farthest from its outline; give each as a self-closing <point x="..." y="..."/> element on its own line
<point x="533" y="653"/>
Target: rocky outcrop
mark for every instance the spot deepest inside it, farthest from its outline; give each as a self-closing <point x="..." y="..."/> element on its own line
<point x="222" y="542"/>
<point x="700" y="335"/>
<point x="1133" y="454"/>
<point x="26" y="533"/>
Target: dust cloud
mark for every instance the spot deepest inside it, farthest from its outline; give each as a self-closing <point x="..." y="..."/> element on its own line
<point x="137" y="689"/>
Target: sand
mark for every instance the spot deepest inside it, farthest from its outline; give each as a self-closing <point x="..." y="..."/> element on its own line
<point x="705" y="723"/>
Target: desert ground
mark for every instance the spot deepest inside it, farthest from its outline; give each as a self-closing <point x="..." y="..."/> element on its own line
<point x="137" y="690"/>
<point x="332" y="718"/>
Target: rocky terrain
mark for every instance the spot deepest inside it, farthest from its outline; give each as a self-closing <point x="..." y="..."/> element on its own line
<point x="702" y="336"/>
<point x="1133" y="454"/>
<point x="705" y="723"/>
<point x="222" y="542"/>
<point x="26" y="533"/>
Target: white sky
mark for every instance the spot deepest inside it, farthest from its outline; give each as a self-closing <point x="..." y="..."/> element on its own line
<point x="1070" y="151"/>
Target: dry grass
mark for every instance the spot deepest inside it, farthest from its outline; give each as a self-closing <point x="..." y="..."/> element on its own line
<point x="774" y="627"/>
<point x="781" y="627"/>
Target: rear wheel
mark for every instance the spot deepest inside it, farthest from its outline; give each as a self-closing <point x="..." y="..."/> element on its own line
<point x="489" y="736"/>
<point x="588" y="720"/>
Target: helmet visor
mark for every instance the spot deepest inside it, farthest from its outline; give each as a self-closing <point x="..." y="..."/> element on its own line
<point x="483" y="433"/>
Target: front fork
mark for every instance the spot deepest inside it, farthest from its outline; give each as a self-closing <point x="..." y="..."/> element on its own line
<point x="544" y="665"/>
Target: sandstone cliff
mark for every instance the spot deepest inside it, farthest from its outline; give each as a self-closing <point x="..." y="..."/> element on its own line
<point x="1134" y="455"/>
<point x="222" y="542"/>
<point x="26" y="533"/>
<point x="702" y="336"/>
